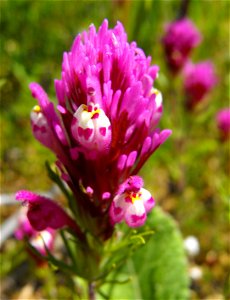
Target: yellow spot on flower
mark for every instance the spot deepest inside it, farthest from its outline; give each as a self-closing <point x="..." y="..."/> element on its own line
<point x="90" y="109"/>
<point x="135" y="196"/>
<point x="37" y="109"/>
<point x="155" y="91"/>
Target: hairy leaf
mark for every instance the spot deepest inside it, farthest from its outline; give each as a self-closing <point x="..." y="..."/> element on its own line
<point x="158" y="270"/>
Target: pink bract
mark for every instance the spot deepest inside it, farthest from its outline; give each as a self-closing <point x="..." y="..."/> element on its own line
<point x="43" y="213"/>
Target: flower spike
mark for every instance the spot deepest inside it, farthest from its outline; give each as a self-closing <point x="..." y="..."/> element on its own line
<point x="104" y="129"/>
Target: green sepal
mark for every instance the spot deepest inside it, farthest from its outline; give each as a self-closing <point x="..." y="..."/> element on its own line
<point x="56" y="178"/>
<point x="52" y="260"/>
<point x="116" y="252"/>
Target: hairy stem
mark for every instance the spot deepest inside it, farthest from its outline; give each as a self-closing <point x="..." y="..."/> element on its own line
<point x="183" y="11"/>
<point x="91" y="291"/>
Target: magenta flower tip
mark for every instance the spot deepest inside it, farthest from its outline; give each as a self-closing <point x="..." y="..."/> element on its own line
<point x="26" y="196"/>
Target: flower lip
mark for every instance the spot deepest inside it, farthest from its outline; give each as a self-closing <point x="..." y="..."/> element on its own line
<point x="132" y="203"/>
<point x="91" y="128"/>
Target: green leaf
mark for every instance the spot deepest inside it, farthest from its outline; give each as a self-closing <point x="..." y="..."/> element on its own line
<point x="158" y="269"/>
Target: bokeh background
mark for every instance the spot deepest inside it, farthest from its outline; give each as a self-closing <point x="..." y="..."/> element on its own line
<point x="188" y="175"/>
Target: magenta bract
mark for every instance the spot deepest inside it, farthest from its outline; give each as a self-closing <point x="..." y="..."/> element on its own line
<point x="43" y="213"/>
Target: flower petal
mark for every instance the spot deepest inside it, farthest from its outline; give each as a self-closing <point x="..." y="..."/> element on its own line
<point x="147" y="199"/>
<point x="135" y="214"/>
<point x="117" y="209"/>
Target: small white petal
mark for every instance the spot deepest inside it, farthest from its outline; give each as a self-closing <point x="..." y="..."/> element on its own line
<point x="195" y="273"/>
<point x="159" y="98"/>
<point x="191" y="245"/>
<point x="117" y="209"/>
<point x="135" y="214"/>
<point x="147" y="199"/>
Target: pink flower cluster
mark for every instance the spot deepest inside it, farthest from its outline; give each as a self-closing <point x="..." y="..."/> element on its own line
<point x="180" y="38"/>
<point x="104" y="129"/>
<point x="223" y="123"/>
<point x="199" y="80"/>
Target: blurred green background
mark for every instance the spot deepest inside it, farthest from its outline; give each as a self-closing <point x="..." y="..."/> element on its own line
<point x="188" y="175"/>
